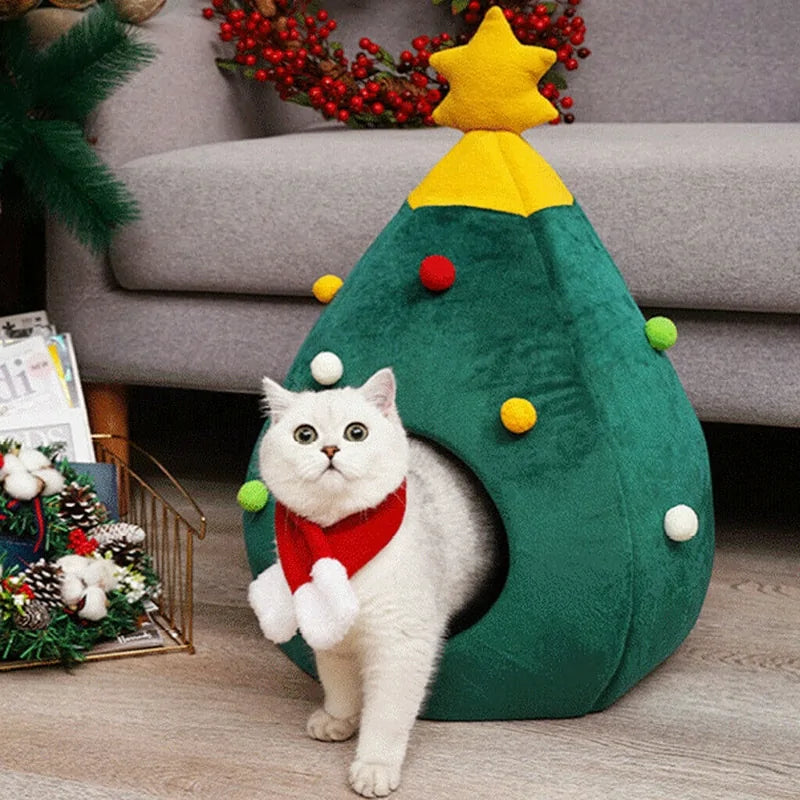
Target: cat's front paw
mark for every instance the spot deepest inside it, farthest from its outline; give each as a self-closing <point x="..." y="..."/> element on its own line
<point x="371" y="779"/>
<point x="325" y="728"/>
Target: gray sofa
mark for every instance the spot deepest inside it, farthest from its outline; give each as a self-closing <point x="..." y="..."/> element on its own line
<point x="685" y="156"/>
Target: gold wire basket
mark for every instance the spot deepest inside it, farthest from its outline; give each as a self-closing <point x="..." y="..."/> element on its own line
<point x="150" y="497"/>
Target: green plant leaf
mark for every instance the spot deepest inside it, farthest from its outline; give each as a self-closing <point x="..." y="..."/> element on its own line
<point x="62" y="172"/>
<point x="458" y="6"/>
<point x="85" y="65"/>
<point x="555" y="77"/>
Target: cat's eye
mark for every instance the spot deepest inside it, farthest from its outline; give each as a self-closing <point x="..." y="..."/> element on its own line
<point x="356" y="432"/>
<point x="305" y="434"/>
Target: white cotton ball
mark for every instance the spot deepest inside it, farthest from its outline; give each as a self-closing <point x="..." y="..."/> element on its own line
<point x="100" y="572"/>
<point x="681" y="523"/>
<point x="72" y="564"/>
<point x="95" y="606"/>
<point x="326" y="368"/>
<point x="21" y="485"/>
<point x="33" y="459"/>
<point x="53" y="480"/>
<point x="11" y="464"/>
<point x="72" y="589"/>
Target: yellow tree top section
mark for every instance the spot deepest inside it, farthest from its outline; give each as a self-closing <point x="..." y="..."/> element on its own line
<point x="493" y="97"/>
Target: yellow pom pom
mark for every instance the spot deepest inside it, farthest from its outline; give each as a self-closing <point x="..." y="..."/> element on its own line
<point x="518" y="415"/>
<point x="325" y="288"/>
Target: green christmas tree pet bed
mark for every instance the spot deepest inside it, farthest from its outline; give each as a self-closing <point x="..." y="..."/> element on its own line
<point x="518" y="348"/>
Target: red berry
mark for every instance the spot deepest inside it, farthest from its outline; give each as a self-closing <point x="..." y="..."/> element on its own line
<point x="364" y="43"/>
<point x="566" y="102"/>
<point x="406" y="56"/>
<point x="322" y="15"/>
<point x="437" y="273"/>
<point x="208" y="13"/>
<point x="343" y="115"/>
<point x="420" y="42"/>
<point x="378" y="109"/>
<point x="571" y="63"/>
<point x="260" y="75"/>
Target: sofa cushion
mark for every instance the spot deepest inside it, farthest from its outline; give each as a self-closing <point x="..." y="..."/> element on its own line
<point x="696" y="215"/>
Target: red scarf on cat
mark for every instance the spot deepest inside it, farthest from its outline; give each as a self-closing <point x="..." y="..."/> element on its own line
<point x="354" y="540"/>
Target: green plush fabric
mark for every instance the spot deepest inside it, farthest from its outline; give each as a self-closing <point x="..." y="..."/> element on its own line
<point x="596" y="594"/>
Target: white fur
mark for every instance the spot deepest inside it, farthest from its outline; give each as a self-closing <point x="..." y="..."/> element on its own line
<point x="378" y="674"/>
<point x="270" y="598"/>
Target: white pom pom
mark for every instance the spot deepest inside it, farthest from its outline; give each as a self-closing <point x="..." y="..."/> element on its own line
<point x="326" y="368"/>
<point x="681" y="523"/>
<point x="271" y="600"/>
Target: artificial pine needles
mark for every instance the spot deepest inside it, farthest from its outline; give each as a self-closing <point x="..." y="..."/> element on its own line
<point x="45" y="98"/>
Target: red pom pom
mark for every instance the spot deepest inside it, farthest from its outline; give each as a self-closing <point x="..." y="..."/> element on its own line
<point x="437" y="273"/>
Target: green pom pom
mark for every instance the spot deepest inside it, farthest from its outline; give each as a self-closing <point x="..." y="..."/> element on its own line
<point x="252" y="496"/>
<point x="661" y="333"/>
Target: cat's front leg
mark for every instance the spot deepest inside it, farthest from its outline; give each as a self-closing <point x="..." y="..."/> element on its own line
<point x="338" y="718"/>
<point x="396" y="677"/>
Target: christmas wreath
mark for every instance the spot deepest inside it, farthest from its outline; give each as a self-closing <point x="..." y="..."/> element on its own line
<point x="70" y="577"/>
<point x="289" y="45"/>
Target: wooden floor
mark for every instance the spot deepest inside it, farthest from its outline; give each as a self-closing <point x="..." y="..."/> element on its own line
<point x="719" y="720"/>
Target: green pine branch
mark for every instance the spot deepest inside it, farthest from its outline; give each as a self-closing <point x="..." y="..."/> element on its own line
<point x="62" y="170"/>
<point x="45" y="97"/>
<point x="84" y="66"/>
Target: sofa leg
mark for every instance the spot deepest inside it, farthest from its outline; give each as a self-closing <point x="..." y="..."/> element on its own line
<point x="107" y="404"/>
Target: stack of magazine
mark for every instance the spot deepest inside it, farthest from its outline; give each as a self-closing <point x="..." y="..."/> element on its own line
<point x="41" y="400"/>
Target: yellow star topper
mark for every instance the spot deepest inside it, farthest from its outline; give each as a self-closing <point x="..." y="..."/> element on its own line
<point x="493" y="81"/>
<point x="492" y="99"/>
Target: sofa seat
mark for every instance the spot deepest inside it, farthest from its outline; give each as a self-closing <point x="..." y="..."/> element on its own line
<point x="676" y="204"/>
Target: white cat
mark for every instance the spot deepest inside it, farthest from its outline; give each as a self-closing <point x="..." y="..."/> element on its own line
<point x="330" y="455"/>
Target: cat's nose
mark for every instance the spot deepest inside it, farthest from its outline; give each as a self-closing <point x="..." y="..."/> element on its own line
<point x="330" y="450"/>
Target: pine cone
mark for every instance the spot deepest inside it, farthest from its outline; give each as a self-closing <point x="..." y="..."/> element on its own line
<point x="124" y="554"/>
<point x="45" y="581"/>
<point x="117" y="532"/>
<point x="80" y="506"/>
<point x="33" y="616"/>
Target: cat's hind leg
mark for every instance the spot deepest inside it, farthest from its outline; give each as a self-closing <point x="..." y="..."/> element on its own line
<point x="338" y="718"/>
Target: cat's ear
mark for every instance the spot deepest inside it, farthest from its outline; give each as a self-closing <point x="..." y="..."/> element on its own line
<point x="275" y="399"/>
<point x="380" y="390"/>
